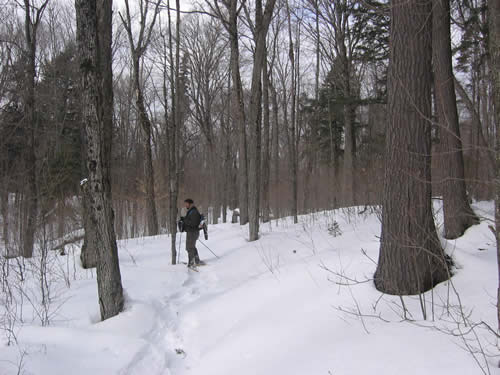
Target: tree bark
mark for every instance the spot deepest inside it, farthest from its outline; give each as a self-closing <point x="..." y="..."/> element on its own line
<point x="266" y="159"/>
<point x="88" y="254"/>
<point x="226" y="129"/>
<point x="238" y="111"/>
<point x="476" y="121"/>
<point x="173" y="133"/>
<point x="94" y="37"/>
<point x="275" y="153"/>
<point x="262" y="21"/>
<point x="341" y="37"/>
<point x="292" y="149"/>
<point x="494" y="27"/>
<point x="411" y="259"/>
<point x="30" y="201"/>
<point x="145" y="125"/>
<point x="458" y="215"/>
<point x="349" y="198"/>
<point x="4" y="202"/>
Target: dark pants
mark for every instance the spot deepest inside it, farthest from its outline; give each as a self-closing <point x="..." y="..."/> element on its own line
<point x="191" y="238"/>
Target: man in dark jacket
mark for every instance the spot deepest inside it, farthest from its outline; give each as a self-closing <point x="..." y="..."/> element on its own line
<point x="192" y="228"/>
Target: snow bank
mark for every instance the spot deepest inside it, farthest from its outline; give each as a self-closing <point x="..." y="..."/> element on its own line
<point x="298" y="301"/>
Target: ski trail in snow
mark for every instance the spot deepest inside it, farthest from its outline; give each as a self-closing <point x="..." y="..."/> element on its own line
<point x="163" y="345"/>
<point x="195" y="287"/>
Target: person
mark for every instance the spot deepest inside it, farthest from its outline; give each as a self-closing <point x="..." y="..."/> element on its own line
<point x="191" y="225"/>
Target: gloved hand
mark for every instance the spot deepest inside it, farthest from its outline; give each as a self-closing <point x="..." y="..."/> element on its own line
<point x="180" y="225"/>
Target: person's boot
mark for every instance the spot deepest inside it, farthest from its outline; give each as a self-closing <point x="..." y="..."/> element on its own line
<point x="191" y="260"/>
<point x="197" y="259"/>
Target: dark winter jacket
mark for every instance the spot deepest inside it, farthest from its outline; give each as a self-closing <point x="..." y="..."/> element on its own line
<point x="192" y="220"/>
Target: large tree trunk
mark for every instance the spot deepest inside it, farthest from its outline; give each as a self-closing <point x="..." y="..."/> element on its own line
<point x="411" y="259"/>
<point x="494" y="25"/>
<point x="88" y="254"/>
<point x="94" y="37"/>
<point x="458" y="215"/>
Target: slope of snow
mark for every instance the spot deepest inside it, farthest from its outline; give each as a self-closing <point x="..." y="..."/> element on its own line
<point x="298" y="301"/>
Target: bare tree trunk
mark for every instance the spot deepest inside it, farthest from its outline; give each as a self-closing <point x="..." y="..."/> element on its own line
<point x="4" y="202"/>
<point x="341" y="38"/>
<point x="145" y="124"/>
<point x="254" y="157"/>
<point x="137" y="50"/>
<point x="349" y="198"/>
<point x="275" y="156"/>
<point x="262" y="21"/>
<point x="411" y="259"/>
<point x="292" y="149"/>
<point x="226" y="128"/>
<point x="173" y="127"/>
<point x="311" y="147"/>
<point x="476" y="121"/>
<point x="94" y="36"/>
<point x="307" y="178"/>
<point x="494" y="26"/>
<point x="458" y="215"/>
<point x="215" y="185"/>
<point x="30" y="202"/>
<point x="88" y="254"/>
<point x="227" y="178"/>
<point x="266" y="159"/>
<point x="238" y="112"/>
<point x="134" y="230"/>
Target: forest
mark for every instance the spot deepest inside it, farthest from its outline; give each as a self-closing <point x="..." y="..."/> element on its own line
<point x="262" y="112"/>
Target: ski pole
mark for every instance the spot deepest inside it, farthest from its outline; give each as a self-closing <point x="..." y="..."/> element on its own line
<point x="208" y="248"/>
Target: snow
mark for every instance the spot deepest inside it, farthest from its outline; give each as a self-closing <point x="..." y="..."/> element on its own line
<point x="273" y="306"/>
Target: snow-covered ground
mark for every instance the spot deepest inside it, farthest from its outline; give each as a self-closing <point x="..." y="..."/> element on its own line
<point x="298" y="301"/>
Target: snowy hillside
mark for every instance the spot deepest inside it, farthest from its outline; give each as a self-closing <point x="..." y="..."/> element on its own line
<point x="298" y="301"/>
